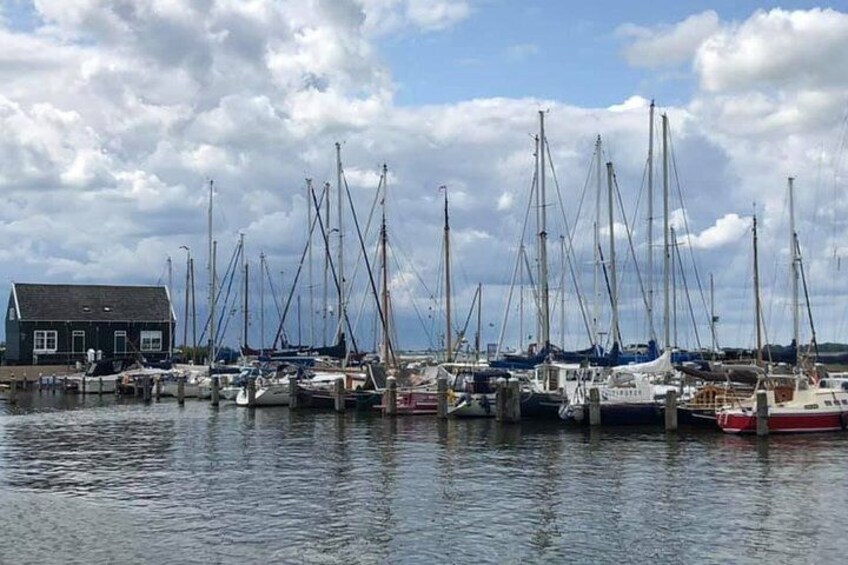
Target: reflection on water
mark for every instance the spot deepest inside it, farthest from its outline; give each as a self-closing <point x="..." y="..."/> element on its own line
<point x="93" y="480"/>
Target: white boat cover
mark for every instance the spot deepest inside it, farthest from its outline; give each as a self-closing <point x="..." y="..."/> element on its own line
<point x="661" y="364"/>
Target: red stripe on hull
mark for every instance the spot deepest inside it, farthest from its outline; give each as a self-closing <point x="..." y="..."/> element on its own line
<point x="782" y="423"/>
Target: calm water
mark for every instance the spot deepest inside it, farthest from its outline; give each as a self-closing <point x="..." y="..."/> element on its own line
<point x="95" y="481"/>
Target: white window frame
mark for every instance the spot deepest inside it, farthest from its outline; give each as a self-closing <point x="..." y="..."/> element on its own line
<point x="74" y="335"/>
<point x="12" y="314"/>
<point x="150" y="340"/>
<point x="119" y="333"/>
<point x="45" y="336"/>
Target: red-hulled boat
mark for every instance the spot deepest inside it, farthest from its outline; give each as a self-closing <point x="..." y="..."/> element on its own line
<point x="803" y="408"/>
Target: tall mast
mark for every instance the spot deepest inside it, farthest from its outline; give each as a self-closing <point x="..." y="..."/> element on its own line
<point x="212" y="324"/>
<point x="309" y="199"/>
<point x="543" y="237"/>
<point x="479" y="336"/>
<point x="340" y="266"/>
<point x="562" y="292"/>
<point x="538" y="203"/>
<point x="674" y="266"/>
<point x="211" y="274"/>
<point x="757" y="311"/>
<point x="666" y="254"/>
<point x="521" y="253"/>
<point x="613" y="282"/>
<point x="170" y="310"/>
<point x="651" y="220"/>
<point x="712" y="312"/>
<point x="326" y="258"/>
<point x="384" y="270"/>
<point x="793" y="271"/>
<point x="596" y="277"/>
<point x="193" y="309"/>
<point x="262" y="270"/>
<point x="448" y="333"/>
<point x="243" y="259"/>
<point x="187" y="291"/>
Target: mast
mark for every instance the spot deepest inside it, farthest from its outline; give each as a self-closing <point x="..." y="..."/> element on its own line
<point x="543" y="238"/>
<point x="448" y="333"/>
<point x="674" y="267"/>
<point x="326" y="257"/>
<point x="562" y="292"/>
<point x="712" y="313"/>
<point x="309" y="198"/>
<point x="187" y="290"/>
<point x="538" y="332"/>
<point x="340" y="266"/>
<point x="666" y="254"/>
<point x="757" y="311"/>
<point x="246" y="289"/>
<point x="478" y="337"/>
<point x="243" y="337"/>
<point x="596" y="277"/>
<point x="384" y="272"/>
<point x="521" y="254"/>
<point x="262" y="271"/>
<point x="613" y="282"/>
<point x="170" y="310"/>
<point x="651" y="219"/>
<point x="212" y="324"/>
<point x="793" y="270"/>
<point x="211" y="274"/>
<point x="193" y="310"/>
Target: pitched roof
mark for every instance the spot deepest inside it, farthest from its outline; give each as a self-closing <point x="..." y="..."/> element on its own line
<point x="75" y="302"/>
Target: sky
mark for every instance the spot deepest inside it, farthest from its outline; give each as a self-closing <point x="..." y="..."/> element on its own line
<point x="115" y="114"/>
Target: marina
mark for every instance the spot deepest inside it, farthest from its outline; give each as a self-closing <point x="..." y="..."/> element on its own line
<point x="161" y="482"/>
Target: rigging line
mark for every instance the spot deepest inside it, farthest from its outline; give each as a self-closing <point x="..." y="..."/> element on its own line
<point x="383" y="315"/>
<point x="405" y="287"/>
<point x="231" y="275"/>
<point x="230" y="265"/>
<point x="620" y="202"/>
<point x="686" y="226"/>
<point x="688" y="297"/>
<point x="374" y="203"/>
<point x="406" y="257"/>
<point x="615" y="338"/>
<point x="280" y="332"/>
<point x="813" y="340"/>
<point x="461" y="333"/>
<point x="570" y="248"/>
<point x="361" y="312"/>
<point x="519" y="254"/>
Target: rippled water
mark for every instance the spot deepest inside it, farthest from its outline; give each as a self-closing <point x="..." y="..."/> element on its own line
<point x="103" y="481"/>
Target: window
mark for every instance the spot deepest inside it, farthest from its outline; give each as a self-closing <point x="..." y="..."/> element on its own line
<point x="151" y="341"/>
<point x="78" y="341"/>
<point x="45" y="341"/>
<point x="11" y="314"/>
<point x="120" y="342"/>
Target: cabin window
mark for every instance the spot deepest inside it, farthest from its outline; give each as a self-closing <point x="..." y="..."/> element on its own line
<point x="11" y="314"/>
<point x="120" y="342"/>
<point x="45" y="341"/>
<point x="151" y="341"/>
<point x="828" y="403"/>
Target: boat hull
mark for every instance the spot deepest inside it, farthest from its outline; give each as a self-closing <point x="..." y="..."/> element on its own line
<point x="272" y="395"/>
<point x="745" y="421"/>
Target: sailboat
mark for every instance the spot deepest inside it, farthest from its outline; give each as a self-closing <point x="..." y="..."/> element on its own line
<point x="797" y="402"/>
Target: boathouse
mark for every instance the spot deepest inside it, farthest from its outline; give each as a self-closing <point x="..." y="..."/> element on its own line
<point x="52" y="324"/>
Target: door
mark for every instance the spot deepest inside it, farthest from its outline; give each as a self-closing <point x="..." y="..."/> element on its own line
<point x="78" y="342"/>
<point x="120" y="342"/>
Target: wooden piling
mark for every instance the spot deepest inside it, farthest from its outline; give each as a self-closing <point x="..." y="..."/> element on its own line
<point x="251" y="393"/>
<point x="147" y="384"/>
<point x="671" y="411"/>
<point x="762" y="413"/>
<point x="500" y="399"/>
<point x="216" y="388"/>
<point x="99" y="386"/>
<point x="181" y="390"/>
<point x="594" y="407"/>
<point x="293" y="405"/>
<point x="442" y="397"/>
<point x="13" y="390"/>
<point x="64" y="384"/>
<point x="53" y="385"/>
<point x="157" y="387"/>
<point x="507" y="401"/>
<point x="339" y="394"/>
<point x="390" y="397"/>
<point x="82" y="384"/>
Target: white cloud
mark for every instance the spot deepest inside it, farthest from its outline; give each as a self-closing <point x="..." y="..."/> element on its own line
<point x="667" y="45"/>
<point x="726" y="230"/>
<point x="520" y="52"/>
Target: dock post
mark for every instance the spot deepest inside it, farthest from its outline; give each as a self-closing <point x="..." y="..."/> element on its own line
<point x="500" y="399"/>
<point x="40" y="383"/>
<point x="82" y="384"/>
<point x="339" y="394"/>
<point x="13" y="390"/>
<point x="594" y="407"/>
<point x="762" y="413"/>
<point x="513" y="401"/>
<point x="671" y="411"/>
<point x="147" y="383"/>
<point x="64" y="385"/>
<point x="181" y="390"/>
<point x="390" y="397"/>
<point x="53" y="386"/>
<point x="157" y="387"/>
<point x="293" y="392"/>
<point x="442" y="397"/>
<point x="251" y="393"/>
<point x="99" y="386"/>
<point x="216" y="387"/>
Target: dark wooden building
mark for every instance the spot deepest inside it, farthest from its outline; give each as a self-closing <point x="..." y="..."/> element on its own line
<point x="50" y="324"/>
